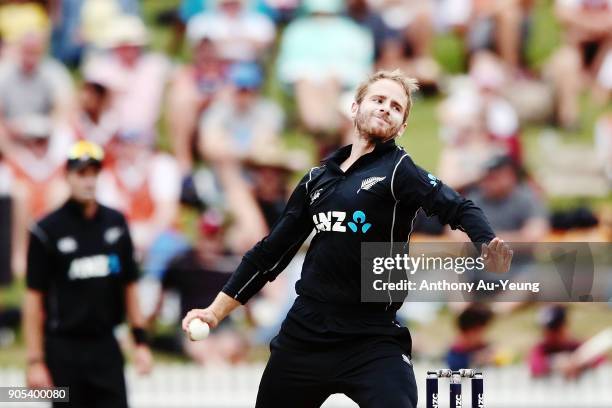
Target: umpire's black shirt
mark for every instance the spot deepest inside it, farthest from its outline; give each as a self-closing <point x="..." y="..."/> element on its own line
<point x="82" y="265"/>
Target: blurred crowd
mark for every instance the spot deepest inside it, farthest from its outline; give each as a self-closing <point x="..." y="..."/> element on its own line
<point x="197" y="140"/>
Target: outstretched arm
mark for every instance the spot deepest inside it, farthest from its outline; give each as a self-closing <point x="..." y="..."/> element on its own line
<point x="436" y="198"/>
<point x="265" y="261"/>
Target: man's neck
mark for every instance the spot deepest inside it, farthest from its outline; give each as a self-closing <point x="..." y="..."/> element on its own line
<point x="362" y="145"/>
<point x="89" y="208"/>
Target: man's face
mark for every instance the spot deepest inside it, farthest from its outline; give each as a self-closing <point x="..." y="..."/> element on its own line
<point x="231" y="7"/>
<point x="31" y="52"/>
<point x="499" y="183"/>
<point x="245" y="97"/>
<point x="128" y="54"/>
<point x="380" y="114"/>
<point x="83" y="183"/>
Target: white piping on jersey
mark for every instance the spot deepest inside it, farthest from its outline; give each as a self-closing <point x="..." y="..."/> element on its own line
<point x="309" y="178"/>
<point x="268" y="270"/>
<point x="246" y="284"/>
<point x="40" y="233"/>
<point x="285" y="253"/>
<point x="393" y="218"/>
<point x="393" y="175"/>
<point x="412" y="223"/>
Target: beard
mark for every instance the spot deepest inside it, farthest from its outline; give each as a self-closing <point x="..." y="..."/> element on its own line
<point x="366" y="126"/>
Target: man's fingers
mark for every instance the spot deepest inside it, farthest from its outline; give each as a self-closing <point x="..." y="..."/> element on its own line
<point x="205" y="315"/>
<point x="189" y="317"/>
<point x="494" y="244"/>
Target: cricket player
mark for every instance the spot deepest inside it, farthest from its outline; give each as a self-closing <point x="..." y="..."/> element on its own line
<point x="369" y="191"/>
<point x="81" y="283"/>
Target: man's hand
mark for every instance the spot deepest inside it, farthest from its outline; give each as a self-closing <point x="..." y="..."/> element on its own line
<point x="143" y="359"/>
<point x="497" y="256"/>
<point x="206" y="315"/>
<point x="38" y="376"/>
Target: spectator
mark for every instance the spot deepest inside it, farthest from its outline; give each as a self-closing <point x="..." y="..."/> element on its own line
<point x="322" y="54"/>
<point x="32" y="84"/>
<point x="144" y="185"/>
<point x="197" y="275"/>
<point x="36" y="162"/>
<point x="193" y="89"/>
<point x="512" y="206"/>
<point x="18" y="18"/>
<point x="75" y="23"/>
<point x="270" y="168"/>
<point x="232" y="128"/>
<point x="238" y="33"/>
<point x="555" y="352"/>
<point x="361" y="12"/>
<point x="587" y="28"/>
<point x="95" y="120"/>
<point x="463" y="131"/>
<point x="470" y="348"/>
<point x="135" y="77"/>
<point x="408" y="39"/>
<point x="517" y="214"/>
<point x="501" y="120"/>
<point x="501" y="26"/>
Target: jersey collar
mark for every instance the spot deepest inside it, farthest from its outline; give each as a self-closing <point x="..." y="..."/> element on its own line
<point x="334" y="160"/>
<point x="76" y="208"/>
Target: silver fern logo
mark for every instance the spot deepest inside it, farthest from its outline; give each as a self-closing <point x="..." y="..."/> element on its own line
<point x="315" y="195"/>
<point x="369" y="182"/>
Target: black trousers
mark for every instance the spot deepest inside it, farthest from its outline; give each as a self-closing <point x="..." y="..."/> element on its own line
<point x="92" y="368"/>
<point x="375" y="373"/>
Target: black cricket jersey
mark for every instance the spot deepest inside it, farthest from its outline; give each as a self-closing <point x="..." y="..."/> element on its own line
<point x="375" y="200"/>
<point x="82" y="266"/>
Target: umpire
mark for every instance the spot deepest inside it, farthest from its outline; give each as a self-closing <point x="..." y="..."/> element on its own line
<point x="81" y="281"/>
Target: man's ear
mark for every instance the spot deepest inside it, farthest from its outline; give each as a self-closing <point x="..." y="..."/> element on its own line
<point x="354" y="109"/>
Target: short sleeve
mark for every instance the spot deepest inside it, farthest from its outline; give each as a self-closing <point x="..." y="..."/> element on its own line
<point x="38" y="270"/>
<point x="129" y="271"/>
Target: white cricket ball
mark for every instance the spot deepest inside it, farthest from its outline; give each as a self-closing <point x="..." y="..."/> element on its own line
<point x="198" y="329"/>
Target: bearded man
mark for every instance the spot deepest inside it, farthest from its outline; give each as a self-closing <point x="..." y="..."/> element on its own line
<point x="332" y="342"/>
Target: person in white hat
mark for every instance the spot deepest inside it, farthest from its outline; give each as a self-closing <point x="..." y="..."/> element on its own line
<point x="135" y="77"/>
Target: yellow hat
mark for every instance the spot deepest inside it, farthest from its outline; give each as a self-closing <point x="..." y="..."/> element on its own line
<point x="84" y="153"/>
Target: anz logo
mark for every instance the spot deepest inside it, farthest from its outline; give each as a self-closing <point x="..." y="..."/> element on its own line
<point x="332" y="221"/>
<point x="97" y="266"/>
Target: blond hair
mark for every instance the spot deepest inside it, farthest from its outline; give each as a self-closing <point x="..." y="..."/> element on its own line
<point x="410" y="85"/>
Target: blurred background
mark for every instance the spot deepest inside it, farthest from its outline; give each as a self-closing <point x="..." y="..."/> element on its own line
<point x="209" y="112"/>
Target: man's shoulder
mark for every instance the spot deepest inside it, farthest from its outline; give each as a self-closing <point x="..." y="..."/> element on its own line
<point x="312" y="174"/>
<point x="111" y="214"/>
<point x="401" y="162"/>
<point x="47" y="223"/>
